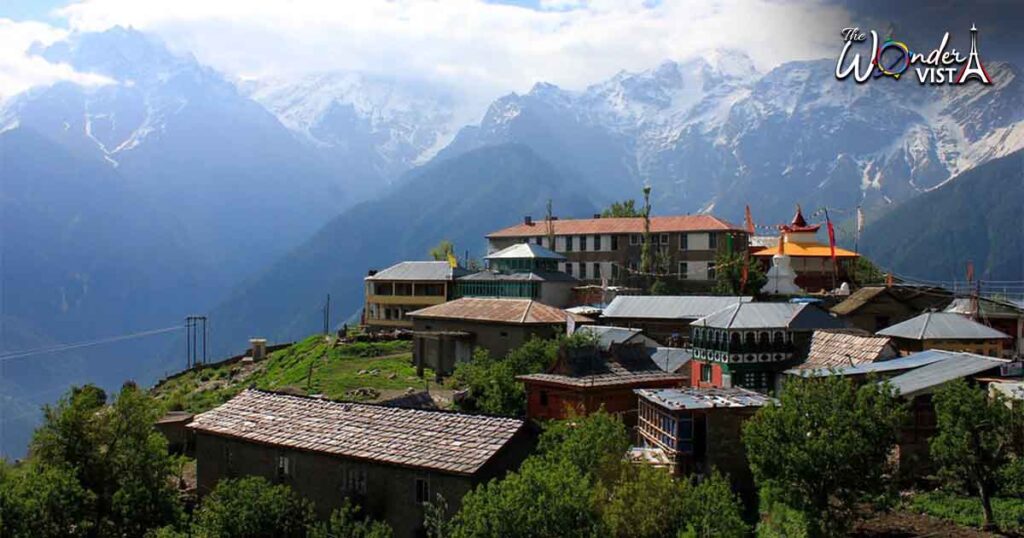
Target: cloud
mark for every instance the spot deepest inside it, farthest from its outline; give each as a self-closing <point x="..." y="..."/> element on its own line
<point x="482" y="48"/>
<point x="20" y="71"/>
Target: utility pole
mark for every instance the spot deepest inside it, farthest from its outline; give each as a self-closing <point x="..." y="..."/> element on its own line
<point x="327" y="316"/>
<point x="195" y="336"/>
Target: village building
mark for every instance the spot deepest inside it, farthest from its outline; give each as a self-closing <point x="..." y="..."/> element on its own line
<point x="836" y="348"/>
<point x="664" y="318"/>
<point x="1001" y="315"/>
<point x="173" y="426"/>
<point x="749" y="344"/>
<point x="388" y="460"/>
<point x="394" y="292"/>
<point x="523" y="270"/>
<point x="699" y="429"/>
<point x="811" y="260"/>
<point x="608" y="249"/>
<point x="873" y="308"/>
<point x="582" y="381"/>
<point x="874" y="370"/>
<point x="948" y="331"/>
<point x="446" y="334"/>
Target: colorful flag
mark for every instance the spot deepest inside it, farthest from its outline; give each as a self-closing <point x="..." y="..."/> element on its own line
<point x="570" y="324"/>
<point x="452" y="261"/>
<point x="831" y="238"/>
<point x="860" y="220"/>
<point x="970" y="271"/>
<point x="750" y="221"/>
<point x="744" y="275"/>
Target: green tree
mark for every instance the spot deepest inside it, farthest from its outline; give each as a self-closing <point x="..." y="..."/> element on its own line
<point x="490" y="383"/>
<point x="729" y="275"/>
<point x="712" y="510"/>
<point x="346" y="522"/>
<point x="645" y="502"/>
<point x="117" y="455"/>
<point x="253" y="508"/>
<point x="973" y="440"/>
<point x="594" y="444"/>
<point x="625" y="208"/>
<point x="441" y="251"/>
<point x="824" y="447"/>
<point x="39" y="501"/>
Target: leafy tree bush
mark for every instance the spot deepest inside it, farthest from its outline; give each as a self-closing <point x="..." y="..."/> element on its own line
<point x="117" y="457"/>
<point x="252" y="507"/>
<point x="712" y="510"/>
<point x="625" y="208"/>
<point x="39" y="501"/>
<point x="973" y="440"/>
<point x="346" y="522"/>
<point x="441" y="251"/>
<point x="729" y="275"/>
<point x="824" y="447"/>
<point x="490" y="382"/>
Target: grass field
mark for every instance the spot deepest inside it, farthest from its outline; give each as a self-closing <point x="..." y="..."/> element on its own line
<point x="1008" y="512"/>
<point x="308" y="367"/>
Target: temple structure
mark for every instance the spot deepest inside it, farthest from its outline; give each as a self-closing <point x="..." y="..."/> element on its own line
<point x="810" y="259"/>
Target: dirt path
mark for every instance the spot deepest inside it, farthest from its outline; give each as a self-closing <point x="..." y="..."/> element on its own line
<point x="904" y="524"/>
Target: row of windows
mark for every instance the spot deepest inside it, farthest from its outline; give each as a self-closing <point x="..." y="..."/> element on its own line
<point x="591" y="270"/>
<point x="407" y="289"/>
<point x="673" y="432"/>
<point x="596" y="243"/>
<point x="391" y="313"/>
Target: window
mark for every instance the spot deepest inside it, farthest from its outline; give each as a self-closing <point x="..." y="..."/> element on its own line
<point x="568" y="243"/>
<point x="355" y="481"/>
<point x="683" y="243"/>
<point x="583" y="243"/>
<point x="634" y="239"/>
<point x="422" y="491"/>
<point x="663" y="239"/>
<point x="504" y="334"/>
<point x="683" y="269"/>
<point x="595" y="270"/>
<point x="615" y="242"/>
<point x="283" y="467"/>
<point x="615" y="271"/>
<point x="569" y="268"/>
<point x="544" y="398"/>
<point x="712" y="241"/>
<point x="711" y="270"/>
<point x="705" y="373"/>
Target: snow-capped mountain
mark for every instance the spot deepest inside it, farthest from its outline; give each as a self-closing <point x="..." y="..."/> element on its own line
<point x="391" y="125"/>
<point x="714" y="134"/>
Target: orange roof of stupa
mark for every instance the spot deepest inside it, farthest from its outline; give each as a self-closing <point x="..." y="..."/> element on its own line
<point x="805" y="250"/>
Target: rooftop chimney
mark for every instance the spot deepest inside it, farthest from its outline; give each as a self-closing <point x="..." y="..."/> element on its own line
<point x="371" y="272"/>
<point x="259" y="348"/>
<point x="528" y="220"/>
<point x="597" y="215"/>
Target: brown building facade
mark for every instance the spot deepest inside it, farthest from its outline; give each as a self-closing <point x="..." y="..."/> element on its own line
<point x="388" y="460"/>
<point x="609" y="248"/>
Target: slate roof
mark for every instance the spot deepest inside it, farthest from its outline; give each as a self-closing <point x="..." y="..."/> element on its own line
<point x="705" y="398"/>
<point x="511" y="311"/>
<point x="524" y="250"/>
<point x="628" y="366"/>
<point x="955" y="366"/>
<point x="666" y="224"/>
<point x="942" y="326"/>
<point x="988" y="308"/>
<point x="793" y="316"/>
<point x="916" y="297"/>
<point x="909" y="362"/>
<point x="447" y="442"/>
<point x="535" y="276"/>
<point x="606" y="336"/>
<point x="668" y="306"/>
<point x="845" y="347"/>
<point x="419" y="271"/>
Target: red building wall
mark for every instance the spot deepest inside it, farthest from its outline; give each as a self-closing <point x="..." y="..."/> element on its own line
<point x="695" y="379"/>
<point x="562" y="402"/>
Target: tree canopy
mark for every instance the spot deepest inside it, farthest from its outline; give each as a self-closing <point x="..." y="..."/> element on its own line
<point x="251" y="507"/>
<point x="729" y="280"/>
<point x="625" y="208"/>
<point x="824" y="447"/>
<point x="441" y="250"/>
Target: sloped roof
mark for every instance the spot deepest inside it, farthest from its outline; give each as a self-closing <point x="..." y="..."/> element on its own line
<point x="794" y="316"/>
<point x="909" y="362"/>
<point x="668" y="306"/>
<point x="942" y="326"/>
<point x="627" y="366"/>
<point x="606" y="336"/>
<point x="419" y="271"/>
<point x="955" y="366"/>
<point x="845" y="347"/>
<point x="916" y="297"/>
<point x="666" y="224"/>
<point x="670" y="359"/>
<point x="524" y="250"/>
<point x="810" y="250"/>
<point x="989" y="308"/>
<point x="705" y="398"/>
<point x="535" y="276"/>
<point x="442" y="441"/>
<point x="514" y="311"/>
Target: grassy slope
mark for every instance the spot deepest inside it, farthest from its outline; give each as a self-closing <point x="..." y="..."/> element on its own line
<point x="382" y="366"/>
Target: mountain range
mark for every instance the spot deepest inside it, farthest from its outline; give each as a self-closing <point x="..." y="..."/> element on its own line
<point x="176" y="189"/>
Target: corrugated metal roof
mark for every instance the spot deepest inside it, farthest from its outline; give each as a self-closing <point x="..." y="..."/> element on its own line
<point x="955" y="366"/>
<point x="705" y="398"/>
<point x="666" y="224"/>
<point x="892" y="365"/>
<point x="524" y="250"/>
<point x="606" y="336"/>
<point x="794" y="316"/>
<point x="537" y="276"/>
<point x="670" y="359"/>
<point x="419" y="271"/>
<point x="942" y="326"/>
<point x="668" y="306"/>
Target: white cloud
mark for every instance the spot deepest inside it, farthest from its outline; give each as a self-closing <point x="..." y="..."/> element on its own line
<point x="481" y="48"/>
<point x="20" y="71"/>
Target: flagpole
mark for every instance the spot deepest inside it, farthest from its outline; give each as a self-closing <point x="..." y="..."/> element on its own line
<point x="832" y="245"/>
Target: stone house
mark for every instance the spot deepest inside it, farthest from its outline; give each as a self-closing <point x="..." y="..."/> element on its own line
<point x="389" y="460"/>
<point x="665" y="318"/>
<point x="949" y="331"/>
<point x="873" y="308"/>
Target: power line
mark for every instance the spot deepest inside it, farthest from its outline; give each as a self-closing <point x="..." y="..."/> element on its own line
<point x="66" y="347"/>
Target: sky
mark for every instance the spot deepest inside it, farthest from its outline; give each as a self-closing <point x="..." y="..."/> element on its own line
<point x="477" y="47"/>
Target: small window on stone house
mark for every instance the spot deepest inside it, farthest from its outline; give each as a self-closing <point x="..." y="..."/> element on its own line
<point x="284" y="467"/>
<point x="422" y="491"/>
